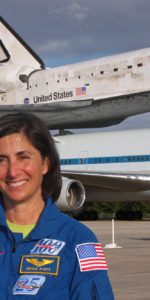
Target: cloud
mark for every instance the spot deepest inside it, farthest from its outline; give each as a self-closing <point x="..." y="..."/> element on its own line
<point x="69" y="9"/>
<point x="66" y="47"/>
<point x="53" y="47"/>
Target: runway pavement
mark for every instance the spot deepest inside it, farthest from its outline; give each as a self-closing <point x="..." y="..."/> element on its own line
<point x="129" y="266"/>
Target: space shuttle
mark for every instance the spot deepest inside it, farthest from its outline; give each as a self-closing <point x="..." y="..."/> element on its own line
<point x="90" y="94"/>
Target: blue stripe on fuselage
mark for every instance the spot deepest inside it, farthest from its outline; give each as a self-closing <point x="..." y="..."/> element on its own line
<point x="105" y="160"/>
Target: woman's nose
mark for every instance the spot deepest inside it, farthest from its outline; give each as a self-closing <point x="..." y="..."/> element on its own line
<point x="13" y="169"/>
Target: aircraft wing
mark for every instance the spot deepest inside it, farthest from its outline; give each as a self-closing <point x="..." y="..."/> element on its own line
<point x="121" y="182"/>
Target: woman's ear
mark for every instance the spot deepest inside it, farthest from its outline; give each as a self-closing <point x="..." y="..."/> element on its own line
<point x="46" y="165"/>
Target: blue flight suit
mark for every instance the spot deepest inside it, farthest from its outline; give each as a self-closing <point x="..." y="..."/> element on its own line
<point x="45" y="264"/>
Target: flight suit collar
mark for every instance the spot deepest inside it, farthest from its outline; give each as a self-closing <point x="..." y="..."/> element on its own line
<point x="47" y="222"/>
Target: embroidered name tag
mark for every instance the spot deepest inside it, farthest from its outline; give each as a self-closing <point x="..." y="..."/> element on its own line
<point x="39" y="264"/>
<point x="28" y="285"/>
<point x="47" y="247"/>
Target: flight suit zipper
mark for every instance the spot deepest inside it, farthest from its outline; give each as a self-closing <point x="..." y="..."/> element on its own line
<point x="93" y="294"/>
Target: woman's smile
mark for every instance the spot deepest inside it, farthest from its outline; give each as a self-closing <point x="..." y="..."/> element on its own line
<point x="17" y="183"/>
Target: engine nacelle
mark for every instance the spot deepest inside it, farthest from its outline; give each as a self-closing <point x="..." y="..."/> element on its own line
<point x="72" y="195"/>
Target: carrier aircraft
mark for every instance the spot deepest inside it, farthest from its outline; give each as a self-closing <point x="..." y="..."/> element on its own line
<point x="111" y="166"/>
<point x="94" y="93"/>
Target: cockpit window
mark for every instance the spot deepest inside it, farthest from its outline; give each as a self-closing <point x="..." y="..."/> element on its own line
<point x="4" y="54"/>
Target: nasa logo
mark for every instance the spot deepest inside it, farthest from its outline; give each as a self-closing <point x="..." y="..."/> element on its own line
<point x="26" y="101"/>
<point x="47" y="247"/>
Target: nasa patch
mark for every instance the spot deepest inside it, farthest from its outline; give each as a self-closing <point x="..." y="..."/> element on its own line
<point x="47" y="247"/>
<point x="28" y="285"/>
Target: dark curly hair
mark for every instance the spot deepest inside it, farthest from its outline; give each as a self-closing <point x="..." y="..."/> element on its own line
<point x="39" y="136"/>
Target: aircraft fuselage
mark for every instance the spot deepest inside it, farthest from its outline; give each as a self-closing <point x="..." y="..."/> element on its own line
<point x="112" y="166"/>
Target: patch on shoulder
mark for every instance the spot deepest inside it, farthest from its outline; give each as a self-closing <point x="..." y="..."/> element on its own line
<point x="28" y="285"/>
<point x="91" y="257"/>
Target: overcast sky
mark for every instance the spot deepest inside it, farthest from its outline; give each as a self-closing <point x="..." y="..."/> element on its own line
<point x="68" y="31"/>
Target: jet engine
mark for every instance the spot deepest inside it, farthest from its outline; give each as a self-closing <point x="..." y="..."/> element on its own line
<point x="72" y="195"/>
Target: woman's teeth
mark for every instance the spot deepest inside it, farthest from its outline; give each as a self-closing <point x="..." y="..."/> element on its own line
<point x="14" y="184"/>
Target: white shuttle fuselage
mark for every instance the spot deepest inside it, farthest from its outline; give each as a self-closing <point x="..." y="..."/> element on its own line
<point x="94" y="93"/>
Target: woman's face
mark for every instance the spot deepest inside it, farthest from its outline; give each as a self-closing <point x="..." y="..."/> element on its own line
<point x="21" y="169"/>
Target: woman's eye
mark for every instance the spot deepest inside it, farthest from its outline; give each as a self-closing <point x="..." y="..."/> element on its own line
<point x="2" y="159"/>
<point x="23" y="157"/>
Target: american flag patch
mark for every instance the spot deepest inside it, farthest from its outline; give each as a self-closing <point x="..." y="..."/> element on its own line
<point x="81" y="91"/>
<point x="91" y="257"/>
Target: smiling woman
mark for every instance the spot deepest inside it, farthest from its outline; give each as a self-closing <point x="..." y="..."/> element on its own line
<point x="31" y="130"/>
<point x="39" y="245"/>
<point x="21" y="173"/>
